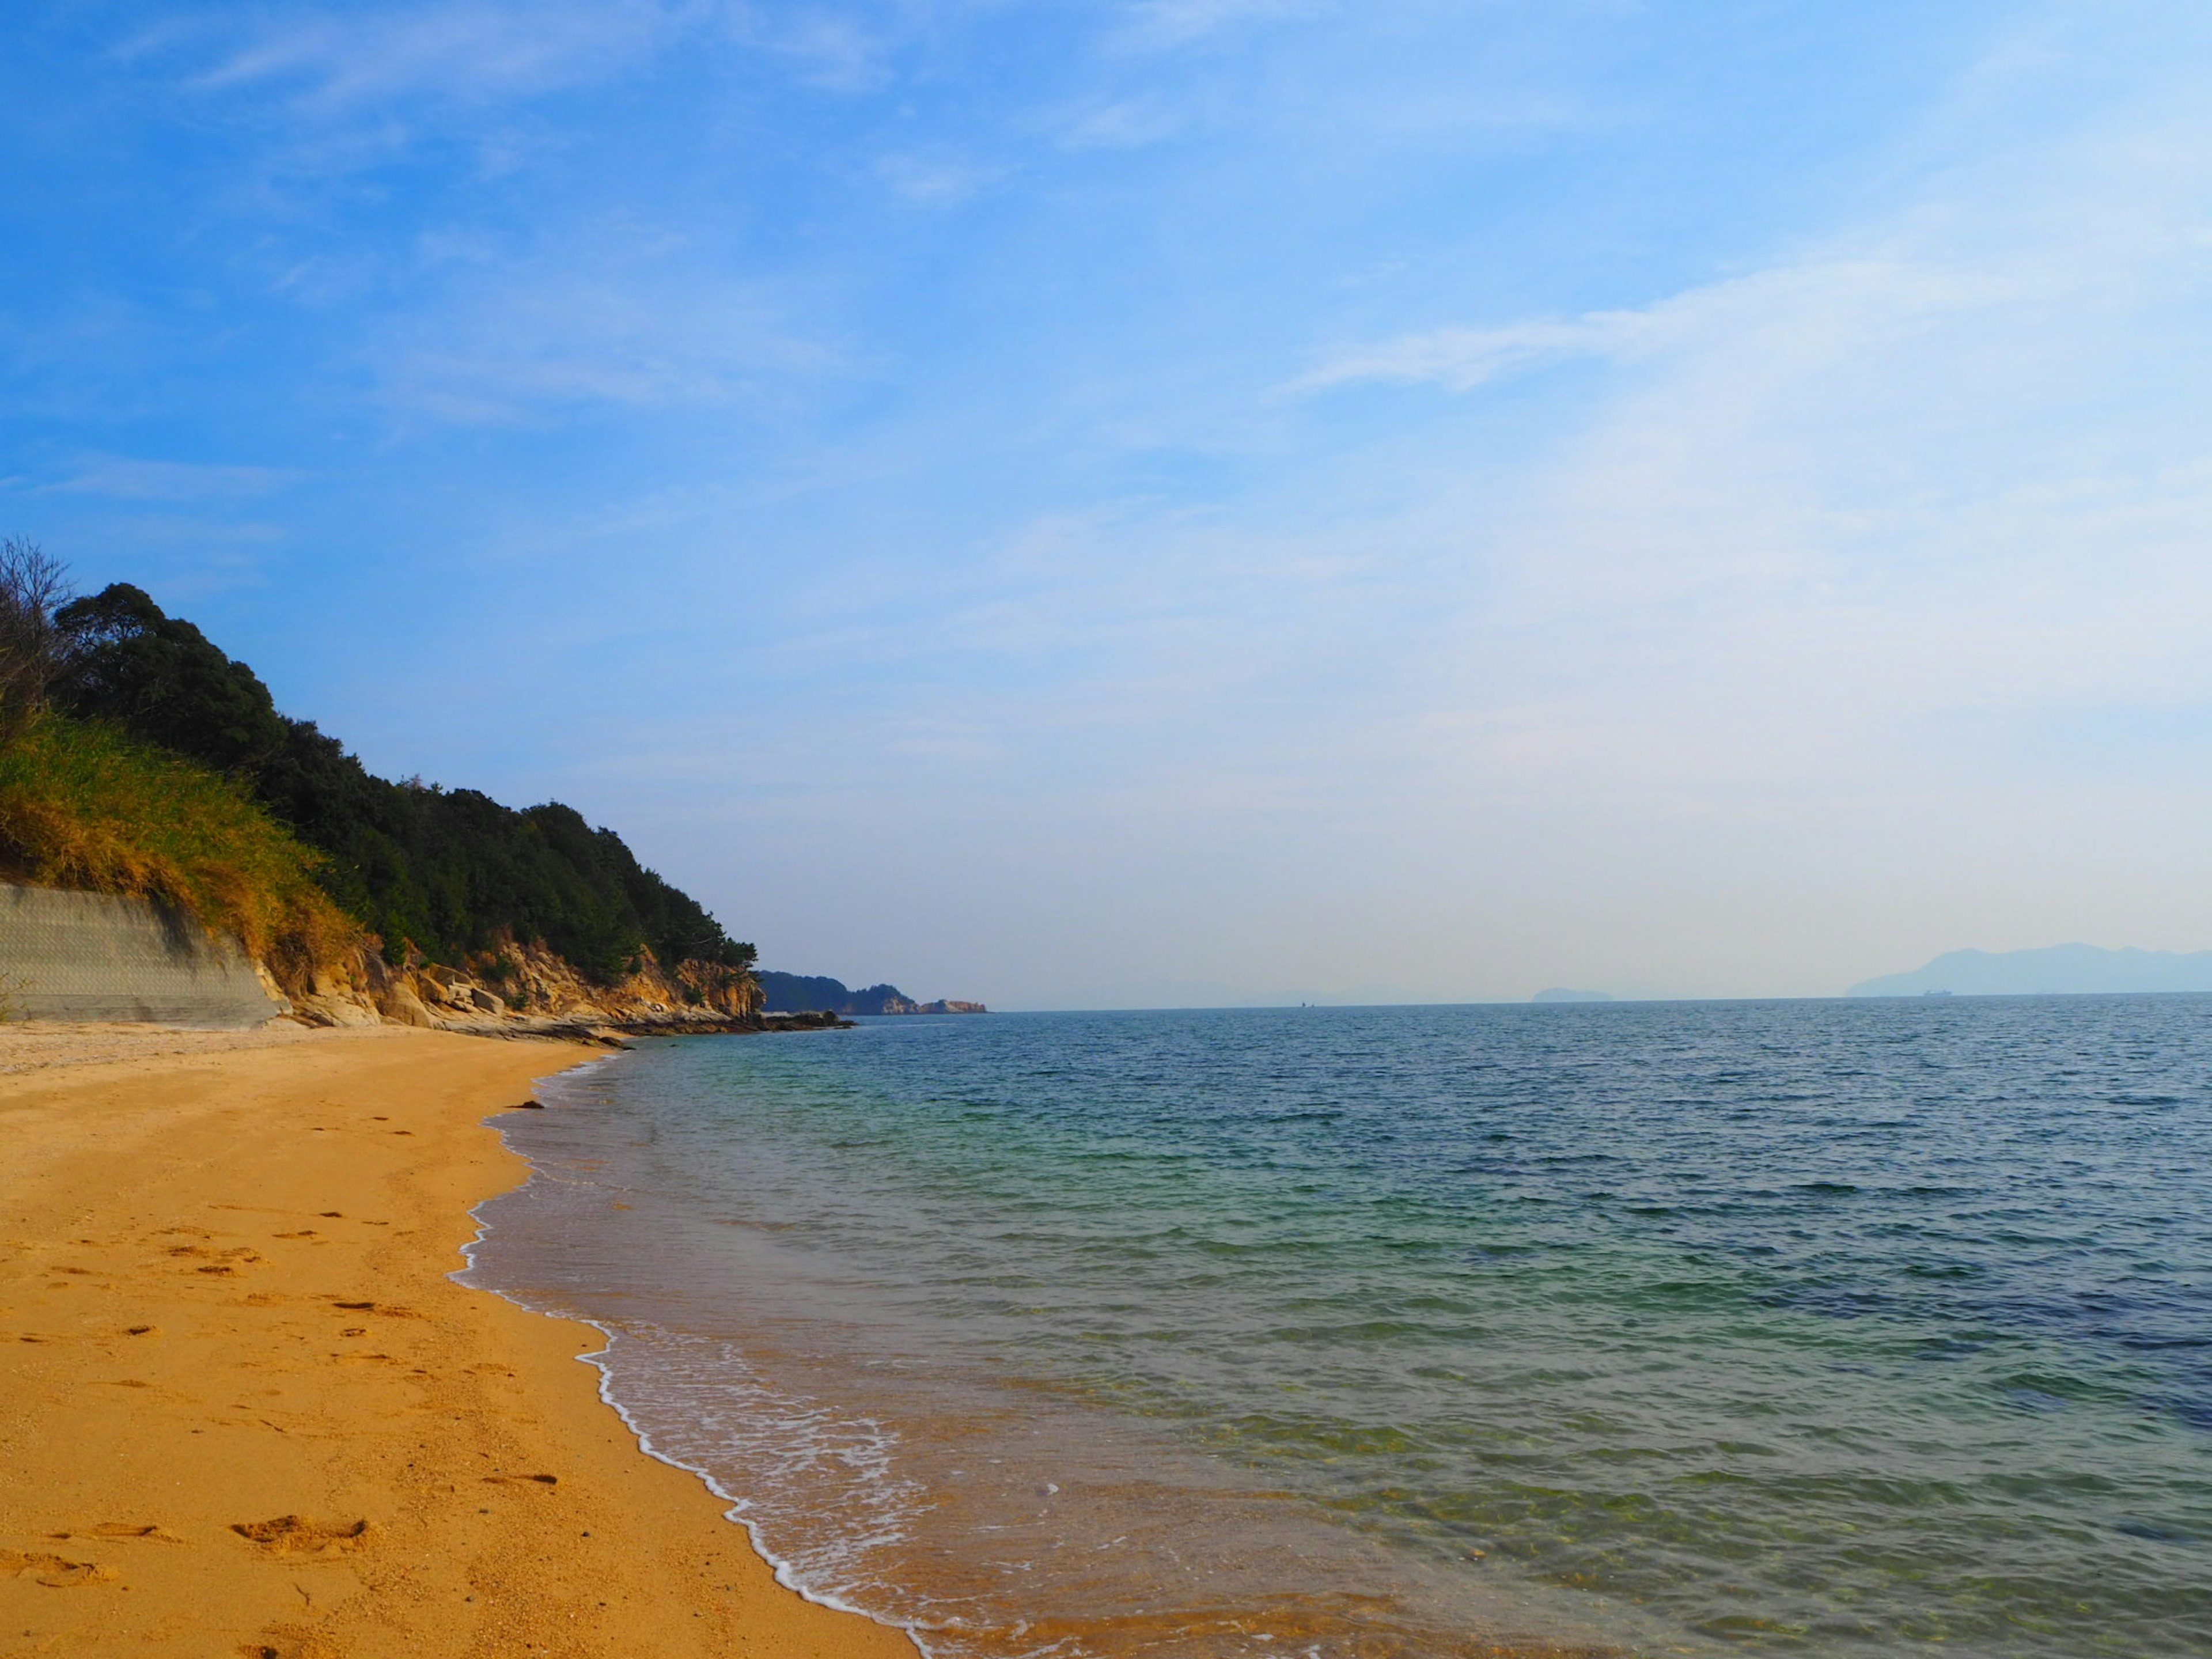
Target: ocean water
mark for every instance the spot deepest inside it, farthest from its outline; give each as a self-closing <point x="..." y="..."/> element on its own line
<point x="1788" y="1327"/>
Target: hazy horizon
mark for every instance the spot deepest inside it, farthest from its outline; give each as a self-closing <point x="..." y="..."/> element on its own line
<point x="1143" y="502"/>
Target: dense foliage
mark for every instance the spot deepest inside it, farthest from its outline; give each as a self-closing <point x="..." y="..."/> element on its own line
<point x="446" y="871"/>
<point x="82" y="804"/>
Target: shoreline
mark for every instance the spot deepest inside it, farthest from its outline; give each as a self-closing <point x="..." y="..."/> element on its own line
<point x="247" y="1407"/>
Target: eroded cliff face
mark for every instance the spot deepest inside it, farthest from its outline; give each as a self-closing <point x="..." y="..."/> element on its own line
<point x="515" y="990"/>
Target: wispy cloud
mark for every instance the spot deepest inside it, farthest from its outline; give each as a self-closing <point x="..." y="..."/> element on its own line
<point x="936" y="180"/>
<point x="336" y="60"/>
<point x="1462" y="358"/>
<point x="836" y="49"/>
<point x="1123" y="123"/>
<point x="1798" y="309"/>
<point x="510" y="338"/>
<point x="1175" y="22"/>
<point x="1851" y="530"/>
<point x="466" y="50"/>
<point x="125" y="478"/>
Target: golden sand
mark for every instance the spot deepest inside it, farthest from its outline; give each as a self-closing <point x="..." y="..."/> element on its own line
<point x="244" y="1412"/>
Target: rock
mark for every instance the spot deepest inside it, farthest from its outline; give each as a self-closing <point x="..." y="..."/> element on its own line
<point x="341" y="1008"/>
<point x="401" y="1005"/>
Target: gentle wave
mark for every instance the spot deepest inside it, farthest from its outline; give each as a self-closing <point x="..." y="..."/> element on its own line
<point x="1780" y="1329"/>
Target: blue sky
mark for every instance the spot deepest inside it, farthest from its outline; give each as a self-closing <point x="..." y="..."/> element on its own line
<point x="1099" y="501"/>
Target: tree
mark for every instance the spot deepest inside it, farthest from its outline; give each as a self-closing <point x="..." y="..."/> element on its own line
<point x="33" y="585"/>
<point x="164" y="681"/>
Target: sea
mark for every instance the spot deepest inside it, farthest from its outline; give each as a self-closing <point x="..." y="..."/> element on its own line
<point x="1841" y="1327"/>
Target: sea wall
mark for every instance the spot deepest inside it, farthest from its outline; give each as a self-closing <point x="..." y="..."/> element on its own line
<point x="96" y="957"/>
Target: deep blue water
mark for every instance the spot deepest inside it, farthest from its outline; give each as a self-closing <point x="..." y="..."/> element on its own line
<point x="1804" y="1327"/>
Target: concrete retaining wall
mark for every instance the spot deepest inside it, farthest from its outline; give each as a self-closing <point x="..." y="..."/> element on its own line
<point x="90" y="956"/>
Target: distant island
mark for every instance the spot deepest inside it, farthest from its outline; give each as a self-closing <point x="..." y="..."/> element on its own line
<point x="803" y="993"/>
<point x="1558" y="993"/>
<point x="2059" y="969"/>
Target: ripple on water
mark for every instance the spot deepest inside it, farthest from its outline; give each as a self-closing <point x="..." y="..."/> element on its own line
<point x="1790" y="1329"/>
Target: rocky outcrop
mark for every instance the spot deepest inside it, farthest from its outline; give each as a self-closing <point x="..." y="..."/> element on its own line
<point x="525" y="990"/>
<point x="78" y="957"/>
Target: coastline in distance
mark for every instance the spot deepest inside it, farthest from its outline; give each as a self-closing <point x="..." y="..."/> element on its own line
<point x="2057" y="970"/>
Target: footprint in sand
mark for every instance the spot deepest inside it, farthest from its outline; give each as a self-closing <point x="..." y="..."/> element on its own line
<point x="55" y="1572"/>
<point x="220" y="1263"/>
<point x="522" y="1479"/>
<point x="389" y="1311"/>
<point x="295" y="1535"/>
<point x="150" y="1531"/>
<point x="128" y="1529"/>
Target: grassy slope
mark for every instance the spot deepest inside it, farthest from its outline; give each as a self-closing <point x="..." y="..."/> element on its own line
<point x="83" y="805"/>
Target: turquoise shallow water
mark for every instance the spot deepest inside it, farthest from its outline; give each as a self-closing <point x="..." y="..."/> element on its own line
<point x="1798" y="1327"/>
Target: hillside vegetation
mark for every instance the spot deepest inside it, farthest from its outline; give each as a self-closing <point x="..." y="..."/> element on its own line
<point x="83" y="805"/>
<point x="137" y="757"/>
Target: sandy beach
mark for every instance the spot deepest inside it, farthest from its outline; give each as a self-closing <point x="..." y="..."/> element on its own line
<point x="243" y="1410"/>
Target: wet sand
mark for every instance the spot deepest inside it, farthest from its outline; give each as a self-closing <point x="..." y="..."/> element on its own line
<point x="244" y="1411"/>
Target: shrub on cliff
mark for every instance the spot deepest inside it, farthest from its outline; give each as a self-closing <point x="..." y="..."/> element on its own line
<point x="85" y="805"/>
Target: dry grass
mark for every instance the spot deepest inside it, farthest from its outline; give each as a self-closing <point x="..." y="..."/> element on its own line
<point x="83" y="806"/>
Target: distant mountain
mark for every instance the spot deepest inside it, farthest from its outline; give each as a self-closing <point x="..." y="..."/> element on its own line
<point x="1558" y="993"/>
<point x="798" y="993"/>
<point x="2060" y="969"/>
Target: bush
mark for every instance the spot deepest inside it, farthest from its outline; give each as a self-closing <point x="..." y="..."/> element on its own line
<point x="83" y="805"/>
